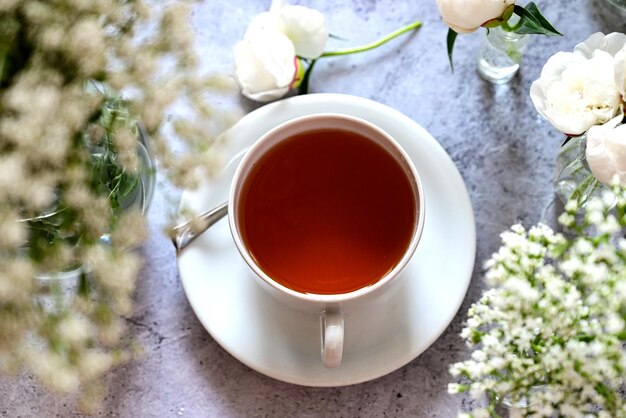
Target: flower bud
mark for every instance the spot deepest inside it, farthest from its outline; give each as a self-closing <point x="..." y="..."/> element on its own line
<point x="465" y="16"/>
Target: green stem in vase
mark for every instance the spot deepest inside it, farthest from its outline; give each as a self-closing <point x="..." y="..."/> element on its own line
<point x="512" y="28"/>
<point x="580" y="193"/>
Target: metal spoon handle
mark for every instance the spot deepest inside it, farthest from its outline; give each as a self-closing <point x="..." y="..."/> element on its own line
<point x="182" y="235"/>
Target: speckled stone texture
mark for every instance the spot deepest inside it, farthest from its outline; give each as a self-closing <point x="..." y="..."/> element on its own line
<point x="503" y="149"/>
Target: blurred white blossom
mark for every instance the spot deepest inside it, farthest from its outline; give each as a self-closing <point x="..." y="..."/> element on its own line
<point x="53" y="211"/>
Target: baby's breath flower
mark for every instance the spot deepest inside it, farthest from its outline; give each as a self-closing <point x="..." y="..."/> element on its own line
<point x="57" y="213"/>
<point x="550" y="330"/>
<point x="74" y="329"/>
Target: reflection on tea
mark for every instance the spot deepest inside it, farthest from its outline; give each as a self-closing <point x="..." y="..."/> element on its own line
<point x="327" y="212"/>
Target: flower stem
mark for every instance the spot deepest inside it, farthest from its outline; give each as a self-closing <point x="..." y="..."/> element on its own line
<point x="374" y="44"/>
<point x="304" y="87"/>
<point x="3" y="61"/>
<point x="513" y="28"/>
<point x="585" y="189"/>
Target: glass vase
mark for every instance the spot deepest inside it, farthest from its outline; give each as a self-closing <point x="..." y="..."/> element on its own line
<point x="49" y="225"/>
<point x="573" y="178"/>
<point x="140" y="196"/>
<point x="500" y="55"/>
<point x="613" y="13"/>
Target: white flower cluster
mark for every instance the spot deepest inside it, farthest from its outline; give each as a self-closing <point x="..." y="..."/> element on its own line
<point x="584" y="92"/>
<point x="550" y="332"/>
<point x="50" y="53"/>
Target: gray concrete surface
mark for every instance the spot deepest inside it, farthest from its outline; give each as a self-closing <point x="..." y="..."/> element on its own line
<point x="503" y="149"/>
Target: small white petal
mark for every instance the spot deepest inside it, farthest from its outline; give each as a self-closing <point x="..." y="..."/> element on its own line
<point x="265" y="65"/>
<point x="306" y="28"/>
<point x="610" y="43"/>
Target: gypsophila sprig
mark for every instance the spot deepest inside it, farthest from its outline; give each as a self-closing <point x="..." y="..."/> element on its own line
<point x="550" y="331"/>
<point x="68" y="164"/>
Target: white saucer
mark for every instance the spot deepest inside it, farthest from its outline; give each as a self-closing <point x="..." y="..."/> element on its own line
<point x="283" y="343"/>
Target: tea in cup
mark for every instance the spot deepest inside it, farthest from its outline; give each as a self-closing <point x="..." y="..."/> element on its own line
<point x="326" y="209"/>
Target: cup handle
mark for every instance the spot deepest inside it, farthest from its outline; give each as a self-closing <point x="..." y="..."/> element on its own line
<point x="331" y="322"/>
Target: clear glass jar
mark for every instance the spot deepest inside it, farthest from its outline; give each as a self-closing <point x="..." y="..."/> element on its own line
<point x="49" y="224"/>
<point x="573" y="178"/>
<point x="500" y="55"/>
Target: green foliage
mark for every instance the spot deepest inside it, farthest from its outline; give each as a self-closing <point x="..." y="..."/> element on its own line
<point x="450" y="44"/>
<point x="532" y="21"/>
<point x="108" y="177"/>
<point x="58" y="226"/>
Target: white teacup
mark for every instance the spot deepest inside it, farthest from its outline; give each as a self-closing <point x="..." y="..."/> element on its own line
<point x="272" y="259"/>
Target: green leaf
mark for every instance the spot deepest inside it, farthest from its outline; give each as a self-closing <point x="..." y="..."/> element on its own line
<point x="476" y="336"/>
<point x="499" y="21"/>
<point x="608" y="394"/>
<point x="567" y="139"/>
<point x="333" y="36"/>
<point x="532" y="21"/>
<point x="450" y="42"/>
<point x="532" y="7"/>
<point x="127" y="183"/>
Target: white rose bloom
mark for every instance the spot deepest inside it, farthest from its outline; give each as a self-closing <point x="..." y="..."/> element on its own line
<point x="265" y="64"/>
<point x="606" y="151"/>
<point x="306" y="28"/>
<point x="577" y="89"/>
<point x="464" y="16"/>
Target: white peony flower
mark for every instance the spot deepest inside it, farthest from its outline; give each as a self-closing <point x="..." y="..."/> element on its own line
<point x="265" y="64"/>
<point x="465" y="16"/>
<point x="577" y="90"/>
<point x="606" y="151"/>
<point x="611" y="43"/>
<point x="266" y="61"/>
